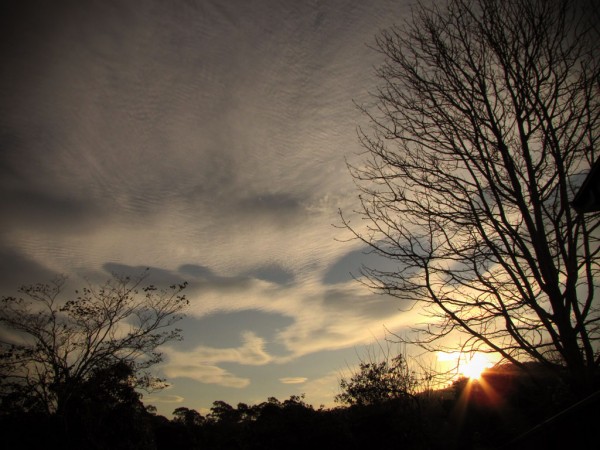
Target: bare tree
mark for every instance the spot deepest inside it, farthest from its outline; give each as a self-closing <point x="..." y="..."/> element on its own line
<point x="50" y="348"/>
<point x="483" y="128"/>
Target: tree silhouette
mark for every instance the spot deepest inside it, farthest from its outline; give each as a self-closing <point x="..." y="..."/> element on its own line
<point x="378" y="381"/>
<point x="483" y="128"/>
<point x="54" y="352"/>
<point x="188" y="417"/>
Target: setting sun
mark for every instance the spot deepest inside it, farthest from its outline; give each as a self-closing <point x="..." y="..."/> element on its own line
<point x="474" y="367"/>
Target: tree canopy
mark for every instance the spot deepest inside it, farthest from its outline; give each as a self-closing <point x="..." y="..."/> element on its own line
<point x="378" y="381"/>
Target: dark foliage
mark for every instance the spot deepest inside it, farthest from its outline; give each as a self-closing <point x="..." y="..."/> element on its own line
<point x="70" y="368"/>
<point x="378" y="381"/>
<point x="105" y="413"/>
<point x="293" y="424"/>
<point x="503" y="408"/>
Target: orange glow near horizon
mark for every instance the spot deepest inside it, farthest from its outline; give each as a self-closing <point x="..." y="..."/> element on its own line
<point x="470" y="365"/>
<point x="474" y="367"/>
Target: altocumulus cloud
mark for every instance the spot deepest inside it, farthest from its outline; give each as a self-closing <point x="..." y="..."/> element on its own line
<point x="129" y="141"/>
<point x="201" y="363"/>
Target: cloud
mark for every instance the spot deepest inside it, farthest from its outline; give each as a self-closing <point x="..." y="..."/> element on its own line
<point x="128" y="141"/>
<point x="201" y="279"/>
<point x="250" y="353"/>
<point x="281" y="206"/>
<point x="345" y="268"/>
<point x="205" y="374"/>
<point x="155" y="274"/>
<point x="273" y="272"/>
<point x="221" y="329"/>
<point x="163" y="398"/>
<point x="349" y="266"/>
<point x="195" y="270"/>
<point x="372" y="307"/>
<point x="201" y="363"/>
<point x="293" y="380"/>
<point x="44" y="208"/>
<point x="17" y="269"/>
<point x="317" y="317"/>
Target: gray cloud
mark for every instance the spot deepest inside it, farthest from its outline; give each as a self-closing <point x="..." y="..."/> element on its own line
<point x="200" y="279"/>
<point x="16" y="270"/>
<point x="371" y="307"/>
<point x="35" y="196"/>
<point x="273" y="273"/>
<point x="278" y="204"/>
<point x="195" y="271"/>
<point x="113" y="115"/>
<point x="155" y="274"/>
<point x="345" y="268"/>
<point x="49" y="210"/>
<point x="349" y="266"/>
<point x="221" y="329"/>
<point x="204" y="139"/>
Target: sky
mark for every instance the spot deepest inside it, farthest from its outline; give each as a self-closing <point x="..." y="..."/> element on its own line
<point x="207" y="141"/>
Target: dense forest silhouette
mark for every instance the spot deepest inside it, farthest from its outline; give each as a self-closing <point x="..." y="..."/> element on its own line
<point x="505" y="408"/>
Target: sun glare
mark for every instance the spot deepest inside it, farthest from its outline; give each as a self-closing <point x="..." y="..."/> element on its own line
<point x="474" y="367"/>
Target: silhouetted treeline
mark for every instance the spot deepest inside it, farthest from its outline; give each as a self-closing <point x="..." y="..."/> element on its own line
<point x="487" y="414"/>
<point x="292" y="424"/>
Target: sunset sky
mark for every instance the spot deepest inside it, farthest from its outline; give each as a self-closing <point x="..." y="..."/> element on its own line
<point x="207" y="141"/>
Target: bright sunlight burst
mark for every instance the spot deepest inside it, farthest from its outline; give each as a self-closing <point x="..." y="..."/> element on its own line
<point x="474" y="367"/>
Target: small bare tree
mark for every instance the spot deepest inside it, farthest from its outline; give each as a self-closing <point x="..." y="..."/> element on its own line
<point x="485" y="123"/>
<point x="50" y="348"/>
